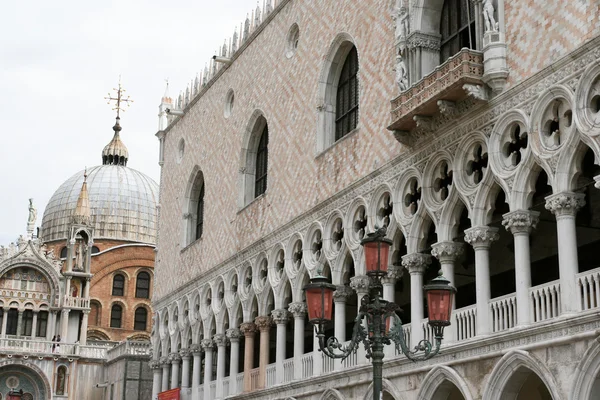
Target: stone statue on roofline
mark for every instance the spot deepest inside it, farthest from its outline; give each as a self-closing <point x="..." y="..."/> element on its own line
<point x="400" y="15"/>
<point x="488" y="16"/>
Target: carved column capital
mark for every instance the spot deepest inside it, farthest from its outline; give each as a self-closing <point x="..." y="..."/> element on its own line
<point x="520" y="221"/>
<point x="565" y="203"/>
<point x="207" y="344"/>
<point x="154" y="364"/>
<point x="298" y="309"/>
<point x="416" y="263"/>
<point x="174" y="358"/>
<point x="280" y="317"/>
<point x="220" y="339"/>
<point x="263" y="323"/>
<point x="342" y="293"/>
<point x="360" y="284"/>
<point x="196" y="349"/>
<point x="234" y="335"/>
<point x="164" y="361"/>
<point x="481" y="236"/>
<point x="248" y="329"/>
<point x="395" y="272"/>
<point x="447" y="251"/>
<point x="185" y="353"/>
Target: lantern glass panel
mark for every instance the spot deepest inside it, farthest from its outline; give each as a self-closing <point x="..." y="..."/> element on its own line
<point x="440" y="304"/>
<point x="376" y="256"/>
<point x="319" y="301"/>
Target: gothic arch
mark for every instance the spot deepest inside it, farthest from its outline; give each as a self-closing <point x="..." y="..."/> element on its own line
<point x="49" y="274"/>
<point x="195" y="184"/>
<point x="510" y="368"/>
<point x="436" y="378"/>
<point x="247" y="167"/>
<point x="388" y="387"/>
<point x="331" y="394"/>
<point x="43" y="392"/>
<point x="587" y="374"/>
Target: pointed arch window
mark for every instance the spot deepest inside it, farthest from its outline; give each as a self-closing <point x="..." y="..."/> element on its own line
<point x="141" y="319"/>
<point x="142" y="285"/>
<point x="262" y="160"/>
<point x="116" y="316"/>
<point x="346" y="110"/>
<point x="200" y="213"/>
<point x="457" y="27"/>
<point x="118" y="288"/>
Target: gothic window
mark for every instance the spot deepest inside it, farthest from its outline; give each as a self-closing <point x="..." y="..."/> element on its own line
<point x="63" y="252"/>
<point x="262" y="159"/>
<point x="27" y="323"/>
<point x="116" y="316"/>
<point x="346" y="110"/>
<point x="141" y="318"/>
<point x="95" y="313"/>
<point x="11" y="323"/>
<point x="200" y="214"/>
<point x="42" y="324"/>
<point x="118" y="288"/>
<point x="142" y="285"/>
<point x="457" y="27"/>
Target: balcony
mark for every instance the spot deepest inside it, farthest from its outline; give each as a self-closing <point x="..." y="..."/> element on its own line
<point x="76" y="302"/>
<point x="439" y="92"/>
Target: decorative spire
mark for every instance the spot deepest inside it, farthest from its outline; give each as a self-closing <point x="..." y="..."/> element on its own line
<point x="166" y="99"/>
<point x="115" y="152"/>
<point x="82" y="210"/>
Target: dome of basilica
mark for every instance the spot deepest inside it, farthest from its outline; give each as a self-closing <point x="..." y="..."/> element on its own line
<point x="122" y="201"/>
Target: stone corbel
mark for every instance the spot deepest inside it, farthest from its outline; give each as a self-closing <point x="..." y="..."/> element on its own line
<point x="447" y="107"/>
<point x="477" y="92"/>
<point x="423" y="122"/>
<point x="405" y="137"/>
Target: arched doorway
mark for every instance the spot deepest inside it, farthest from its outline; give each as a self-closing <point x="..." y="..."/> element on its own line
<point x="28" y="378"/>
<point x="525" y="385"/>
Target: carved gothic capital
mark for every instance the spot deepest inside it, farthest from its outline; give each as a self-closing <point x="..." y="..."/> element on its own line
<point x="164" y="362"/>
<point x="280" y="316"/>
<point x="248" y="329"/>
<point x="342" y="293"/>
<point x="220" y="339"/>
<point x="154" y="364"/>
<point x="447" y="251"/>
<point x="520" y="221"/>
<point x="298" y="309"/>
<point x="196" y="349"/>
<point x="185" y="353"/>
<point x="207" y="344"/>
<point x="416" y="263"/>
<point x="263" y="323"/>
<point x="360" y="284"/>
<point x="395" y="272"/>
<point x="423" y="40"/>
<point x="174" y="358"/>
<point x="234" y="335"/>
<point x="565" y="203"/>
<point x="481" y="236"/>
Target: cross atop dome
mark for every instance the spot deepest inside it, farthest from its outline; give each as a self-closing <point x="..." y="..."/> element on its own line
<point x="115" y="152"/>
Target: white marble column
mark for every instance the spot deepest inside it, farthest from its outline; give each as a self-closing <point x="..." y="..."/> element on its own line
<point x="481" y="238"/>
<point x="415" y="264"/>
<point x="51" y="327"/>
<point x="221" y="341"/>
<point x="263" y="323"/>
<point x="175" y="360"/>
<point x="280" y="318"/>
<point x="207" y="345"/>
<point x="196" y="370"/>
<point x="448" y="253"/>
<point x="84" y="327"/>
<point x="156" y="378"/>
<point x="4" y="320"/>
<point x="564" y="206"/>
<point x="361" y="284"/>
<point x="340" y="296"/>
<point x="166" y="365"/>
<point x="64" y="324"/>
<point x="234" y="336"/>
<point x="389" y="294"/>
<point x="298" y="310"/>
<point x="520" y="223"/>
<point x="249" y="331"/>
<point x="34" y="324"/>
<point x="186" y="356"/>
<point x="20" y="323"/>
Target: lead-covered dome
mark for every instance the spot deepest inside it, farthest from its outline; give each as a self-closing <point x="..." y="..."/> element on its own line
<point x="122" y="205"/>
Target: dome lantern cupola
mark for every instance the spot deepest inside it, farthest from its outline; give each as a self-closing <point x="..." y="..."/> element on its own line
<point x="115" y="152"/>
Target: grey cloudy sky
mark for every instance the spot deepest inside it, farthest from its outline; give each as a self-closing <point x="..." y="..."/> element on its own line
<point x="59" y="59"/>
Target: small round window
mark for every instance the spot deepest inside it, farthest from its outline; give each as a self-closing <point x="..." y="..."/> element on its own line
<point x="229" y="101"/>
<point x="292" y="41"/>
<point x="181" y="150"/>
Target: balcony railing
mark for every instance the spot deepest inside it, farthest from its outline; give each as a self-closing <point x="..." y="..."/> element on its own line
<point x="130" y="348"/>
<point x="76" y="302"/>
<point x="445" y="83"/>
<point x="545" y="301"/>
<point x="504" y="312"/>
<point x="589" y="289"/>
<point x="306" y="362"/>
<point x="288" y="370"/>
<point x="464" y="322"/>
<point x="271" y="375"/>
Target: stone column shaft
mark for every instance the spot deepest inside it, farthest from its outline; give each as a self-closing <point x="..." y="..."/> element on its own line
<point x="340" y="296"/>
<point x="84" y="327"/>
<point x="156" y="378"/>
<point x="185" y="355"/>
<point x="64" y="324"/>
<point x="361" y="285"/>
<point x="234" y="336"/>
<point x="280" y="318"/>
<point x="221" y="341"/>
<point x="20" y="323"/>
<point x="263" y="324"/>
<point x="298" y="310"/>
<point x="175" y="360"/>
<point x="207" y="345"/>
<point x="249" y="330"/>
<point x="415" y="264"/>
<point x="165" y="374"/>
<point x="4" y="321"/>
<point x="34" y="324"/>
<point x="196" y="370"/>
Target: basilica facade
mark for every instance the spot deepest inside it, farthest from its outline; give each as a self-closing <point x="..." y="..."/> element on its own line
<point x="468" y="129"/>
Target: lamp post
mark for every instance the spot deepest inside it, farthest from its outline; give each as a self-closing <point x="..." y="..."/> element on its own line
<point x="379" y="313"/>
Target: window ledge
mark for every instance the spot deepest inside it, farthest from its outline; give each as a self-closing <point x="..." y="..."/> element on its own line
<point x="255" y="200"/>
<point x="456" y="79"/>
<point x="190" y="245"/>
<point x="353" y="132"/>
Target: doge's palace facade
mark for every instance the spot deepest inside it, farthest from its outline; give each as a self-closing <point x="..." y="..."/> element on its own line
<point x="286" y="151"/>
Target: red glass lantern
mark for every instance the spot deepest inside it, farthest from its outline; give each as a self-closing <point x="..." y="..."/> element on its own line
<point x="440" y="295"/>
<point x="377" y="250"/>
<point x="319" y="300"/>
<point x="386" y="322"/>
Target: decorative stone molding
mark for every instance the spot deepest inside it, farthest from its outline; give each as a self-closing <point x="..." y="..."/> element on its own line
<point x="207" y="344"/>
<point x="565" y="203"/>
<point x="481" y="236"/>
<point x="342" y="293"/>
<point x="423" y="40"/>
<point x="154" y="364"/>
<point x="520" y="221"/>
<point x="174" y="358"/>
<point x="423" y="122"/>
<point x="196" y="349"/>
<point x="395" y="271"/>
<point x="220" y="339"/>
<point x="164" y="361"/>
<point x="447" y="107"/>
<point x="477" y="92"/>
<point x="185" y="353"/>
<point x="263" y="322"/>
<point x="234" y="334"/>
<point x="248" y="328"/>
<point x="280" y="316"/>
<point x="447" y="251"/>
<point x="416" y="263"/>
<point x="360" y="284"/>
<point x="298" y="309"/>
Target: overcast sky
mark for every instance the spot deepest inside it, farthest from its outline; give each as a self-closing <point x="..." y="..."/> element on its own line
<point x="59" y="59"/>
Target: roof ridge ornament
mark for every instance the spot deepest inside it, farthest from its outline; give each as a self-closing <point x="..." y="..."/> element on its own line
<point x="115" y="152"/>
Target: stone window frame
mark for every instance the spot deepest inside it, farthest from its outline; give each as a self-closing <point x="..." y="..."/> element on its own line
<point x="113" y="318"/>
<point x="256" y="127"/>
<point x="137" y="285"/>
<point x="135" y="318"/>
<point x="195" y="192"/>
<point x="118" y="274"/>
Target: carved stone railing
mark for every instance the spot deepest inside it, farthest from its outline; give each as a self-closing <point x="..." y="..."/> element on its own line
<point x="451" y="82"/>
<point x="131" y="348"/>
<point x="76" y="302"/>
<point x="504" y="312"/>
<point x="271" y="375"/>
<point x="545" y="301"/>
<point x="464" y="322"/>
<point x="307" y="365"/>
<point x="288" y="370"/>
<point x="589" y="289"/>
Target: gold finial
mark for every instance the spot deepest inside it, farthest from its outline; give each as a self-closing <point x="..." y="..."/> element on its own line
<point x="119" y="99"/>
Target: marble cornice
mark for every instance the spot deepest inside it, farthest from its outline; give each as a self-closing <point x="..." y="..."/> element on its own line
<point x="475" y="118"/>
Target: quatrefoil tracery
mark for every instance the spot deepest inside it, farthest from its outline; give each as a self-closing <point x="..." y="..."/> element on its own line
<point x="412" y="196"/>
<point x="384" y="210"/>
<point x="360" y="222"/>
<point x="478" y="163"/>
<point x="514" y="149"/>
<point x="443" y="182"/>
<point x="556" y="124"/>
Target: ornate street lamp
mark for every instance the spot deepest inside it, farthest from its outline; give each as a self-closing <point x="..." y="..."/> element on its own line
<point x="378" y="313"/>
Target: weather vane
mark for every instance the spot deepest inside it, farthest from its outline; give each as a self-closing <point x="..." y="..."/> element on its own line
<point x="119" y="99"/>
